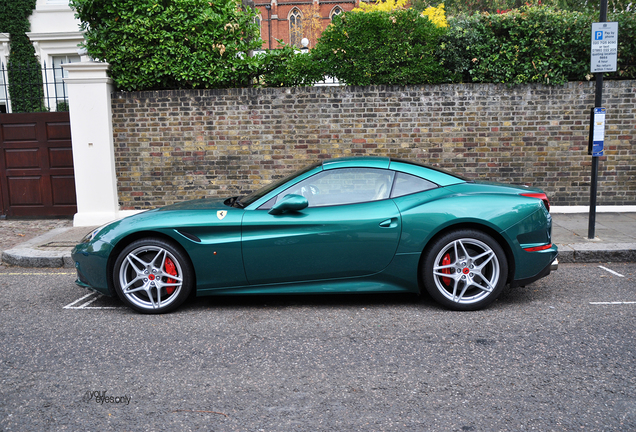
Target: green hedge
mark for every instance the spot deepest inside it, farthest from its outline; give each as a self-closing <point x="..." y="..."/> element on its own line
<point x="395" y="48"/>
<point x="23" y="68"/>
<point x="165" y="44"/>
<point x="168" y="44"/>
<point x="530" y="44"/>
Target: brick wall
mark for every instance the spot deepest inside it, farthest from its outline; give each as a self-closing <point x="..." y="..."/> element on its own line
<point x="184" y="144"/>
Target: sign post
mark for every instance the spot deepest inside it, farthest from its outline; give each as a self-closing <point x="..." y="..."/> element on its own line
<point x="604" y="54"/>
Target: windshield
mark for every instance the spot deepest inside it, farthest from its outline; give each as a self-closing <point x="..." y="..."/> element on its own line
<point x="249" y="199"/>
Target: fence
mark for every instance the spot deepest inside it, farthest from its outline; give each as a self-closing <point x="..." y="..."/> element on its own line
<point x="50" y="90"/>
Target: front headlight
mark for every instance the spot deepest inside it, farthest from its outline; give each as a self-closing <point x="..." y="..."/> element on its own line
<point x="91" y="235"/>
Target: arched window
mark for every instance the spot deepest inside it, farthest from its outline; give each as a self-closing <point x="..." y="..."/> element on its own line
<point x="295" y="27"/>
<point x="335" y="11"/>
<point x="259" y="22"/>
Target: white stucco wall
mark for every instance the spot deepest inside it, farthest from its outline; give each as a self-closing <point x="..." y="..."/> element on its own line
<point x="53" y="16"/>
<point x="54" y="29"/>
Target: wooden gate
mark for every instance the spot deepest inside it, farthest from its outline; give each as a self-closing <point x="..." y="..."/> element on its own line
<point x="36" y="165"/>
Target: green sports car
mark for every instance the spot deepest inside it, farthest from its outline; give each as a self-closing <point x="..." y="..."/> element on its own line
<point x="364" y="224"/>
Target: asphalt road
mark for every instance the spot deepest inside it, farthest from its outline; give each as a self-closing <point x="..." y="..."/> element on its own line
<point x="543" y="358"/>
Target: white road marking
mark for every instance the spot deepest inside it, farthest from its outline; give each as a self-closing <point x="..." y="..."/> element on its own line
<point x="611" y="271"/>
<point x="613" y="303"/>
<point x="70" y="305"/>
<point x="95" y="296"/>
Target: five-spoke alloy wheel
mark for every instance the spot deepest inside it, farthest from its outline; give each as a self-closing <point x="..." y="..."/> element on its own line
<point x="465" y="270"/>
<point x="153" y="276"/>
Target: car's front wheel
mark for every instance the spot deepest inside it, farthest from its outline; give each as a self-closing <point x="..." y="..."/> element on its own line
<point x="465" y="270"/>
<point x="153" y="276"/>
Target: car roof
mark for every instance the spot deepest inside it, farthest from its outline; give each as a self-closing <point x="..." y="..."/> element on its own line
<point x="360" y="161"/>
<point x="436" y="175"/>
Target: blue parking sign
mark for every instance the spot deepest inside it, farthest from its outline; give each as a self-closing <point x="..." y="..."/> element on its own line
<point x="598" y="35"/>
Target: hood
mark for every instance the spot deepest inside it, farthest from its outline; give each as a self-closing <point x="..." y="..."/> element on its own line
<point x="200" y="204"/>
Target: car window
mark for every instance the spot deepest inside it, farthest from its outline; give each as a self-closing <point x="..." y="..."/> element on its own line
<point x="256" y="195"/>
<point x="344" y="186"/>
<point x="406" y="184"/>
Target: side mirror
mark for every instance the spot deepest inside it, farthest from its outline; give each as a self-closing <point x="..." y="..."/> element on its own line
<point x="289" y="202"/>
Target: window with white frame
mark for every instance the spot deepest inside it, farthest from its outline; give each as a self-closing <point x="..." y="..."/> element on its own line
<point x="57" y="90"/>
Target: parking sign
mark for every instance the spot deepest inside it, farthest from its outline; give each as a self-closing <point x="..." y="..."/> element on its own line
<point x="604" y="47"/>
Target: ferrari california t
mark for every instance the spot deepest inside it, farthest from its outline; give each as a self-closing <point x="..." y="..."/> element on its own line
<point x="364" y="224"/>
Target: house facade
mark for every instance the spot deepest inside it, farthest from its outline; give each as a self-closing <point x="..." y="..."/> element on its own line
<point x="293" y="20"/>
<point x="55" y="34"/>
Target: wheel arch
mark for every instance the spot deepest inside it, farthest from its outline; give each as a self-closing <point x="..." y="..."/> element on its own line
<point x="471" y="226"/>
<point x="138" y="235"/>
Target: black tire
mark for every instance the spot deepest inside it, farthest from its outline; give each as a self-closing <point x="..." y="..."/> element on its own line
<point x="153" y="276"/>
<point x="465" y="270"/>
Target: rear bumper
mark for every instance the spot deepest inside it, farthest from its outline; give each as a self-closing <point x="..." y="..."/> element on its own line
<point x="553" y="266"/>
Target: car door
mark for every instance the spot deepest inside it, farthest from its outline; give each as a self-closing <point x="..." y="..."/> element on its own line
<point x="350" y="228"/>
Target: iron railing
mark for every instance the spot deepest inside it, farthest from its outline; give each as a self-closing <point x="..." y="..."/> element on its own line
<point x="53" y="97"/>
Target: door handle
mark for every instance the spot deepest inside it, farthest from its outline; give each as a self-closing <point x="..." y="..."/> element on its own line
<point x="389" y="223"/>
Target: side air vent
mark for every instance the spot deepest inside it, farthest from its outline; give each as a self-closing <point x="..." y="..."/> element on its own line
<point x="189" y="236"/>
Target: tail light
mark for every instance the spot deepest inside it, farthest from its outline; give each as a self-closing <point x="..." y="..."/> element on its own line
<point x="543" y="197"/>
<point x="538" y="248"/>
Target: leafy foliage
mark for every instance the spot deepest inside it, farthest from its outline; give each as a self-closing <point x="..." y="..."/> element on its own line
<point x="381" y="6"/>
<point x="626" y="62"/>
<point x="437" y="15"/>
<point x="313" y="24"/>
<point x="469" y="7"/>
<point x="23" y="69"/>
<point x="164" y="44"/>
<point x="380" y="48"/>
<point x="528" y="45"/>
<point x="287" y="67"/>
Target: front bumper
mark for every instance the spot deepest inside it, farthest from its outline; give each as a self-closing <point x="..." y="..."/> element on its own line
<point x="91" y="263"/>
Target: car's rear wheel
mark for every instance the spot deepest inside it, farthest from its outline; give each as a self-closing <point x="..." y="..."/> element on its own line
<point x="465" y="270"/>
<point x="153" y="276"/>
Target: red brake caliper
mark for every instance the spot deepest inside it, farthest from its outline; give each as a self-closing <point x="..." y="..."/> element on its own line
<point x="171" y="269"/>
<point x="446" y="261"/>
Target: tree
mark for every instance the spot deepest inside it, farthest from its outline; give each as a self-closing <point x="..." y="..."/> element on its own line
<point x="166" y="44"/>
<point x="23" y="69"/>
<point x="314" y="24"/>
<point x="381" y="6"/>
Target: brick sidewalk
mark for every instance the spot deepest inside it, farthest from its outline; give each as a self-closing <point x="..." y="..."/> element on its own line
<point x="13" y="232"/>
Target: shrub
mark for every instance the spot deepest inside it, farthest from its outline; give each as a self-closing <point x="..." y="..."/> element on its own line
<point x="531" y="44"/>
<point x="626" y="62"/>
<point x="394" y="48"/>
<point x="24" y="72"/>
<point x="166" y="44"/>
<point x="526" y="45"/>
<point x="287" y="67"/>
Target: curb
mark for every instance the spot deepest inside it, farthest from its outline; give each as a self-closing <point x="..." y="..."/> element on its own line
<point x="592" y="253"/>
<point x="26" y="254"/>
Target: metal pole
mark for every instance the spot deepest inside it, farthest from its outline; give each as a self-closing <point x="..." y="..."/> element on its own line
<point x="598" y="102"/>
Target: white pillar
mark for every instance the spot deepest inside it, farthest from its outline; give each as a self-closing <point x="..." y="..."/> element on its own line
<point x="89" y="89"/>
